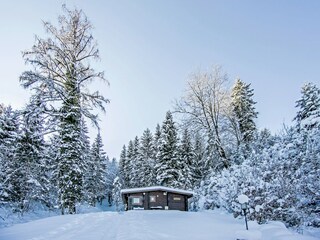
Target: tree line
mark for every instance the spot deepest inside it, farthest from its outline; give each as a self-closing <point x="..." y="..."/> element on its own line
<point x="216" y="150"/>
<point x="214" y="123"/>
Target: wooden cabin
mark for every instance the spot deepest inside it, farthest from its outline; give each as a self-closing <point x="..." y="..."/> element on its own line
<point x="156" y="198"/>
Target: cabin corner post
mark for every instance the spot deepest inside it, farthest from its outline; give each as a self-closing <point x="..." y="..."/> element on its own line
<point x="167" y="204"/>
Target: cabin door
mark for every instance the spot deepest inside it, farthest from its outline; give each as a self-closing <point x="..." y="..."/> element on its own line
<point x="176" y="202"/>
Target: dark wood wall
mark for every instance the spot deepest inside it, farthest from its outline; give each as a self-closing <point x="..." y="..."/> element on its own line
<point x="164" y="200"/>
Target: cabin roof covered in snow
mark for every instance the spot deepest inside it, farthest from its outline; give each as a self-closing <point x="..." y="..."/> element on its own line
<point x="157" y="188"/>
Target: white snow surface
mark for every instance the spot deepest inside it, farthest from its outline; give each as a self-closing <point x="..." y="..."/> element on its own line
<point x="156" y="188"/>
<point x="151" y="225"/>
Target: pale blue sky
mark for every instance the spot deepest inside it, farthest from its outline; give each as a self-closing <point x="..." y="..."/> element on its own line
<point x="148" y="48"/>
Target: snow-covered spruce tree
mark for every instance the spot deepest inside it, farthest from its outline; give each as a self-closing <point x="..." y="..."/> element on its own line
<point x="86" y="159"/>
<point x="187" y="157"/>
<point x="307" y="178"/>
<point x="129" y="166"/>
<point x="244" y="112"/>
<point x="52" y="157"/>
<point x="156" y="148"/>
<point x="198" y="171"/>
<point x="61" y="74"/>
<point x="116" y="195"/>
<point x="31" y="154"/>
<point x="71" y="165"/>
<point x="11" y="173"/>
<point x="96" y="172"/>
<point x="307" y="158"/>
<point x="148" y="162"/>
<point x="168" y="167"/>
<point x="123" y="163"/>
<point x="136" y="165"/>
<point x="308" y="115"/>
<point x="111" y="173"/>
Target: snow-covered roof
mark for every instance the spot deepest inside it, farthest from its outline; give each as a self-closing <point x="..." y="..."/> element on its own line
<point x="157" y="188"/>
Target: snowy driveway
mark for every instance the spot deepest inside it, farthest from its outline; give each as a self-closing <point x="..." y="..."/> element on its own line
<point x="144" y="225"/>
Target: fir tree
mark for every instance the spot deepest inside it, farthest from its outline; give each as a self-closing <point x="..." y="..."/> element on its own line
<point x="136" y="165"/>
<point x="96" y="182"/>
<point x="123" y="167"/>
<point x="111" y="173"/>
<point x="243" y="108"/>
<point x="129" y="166"/>
<point x="168" y="168"/>
<point x="11" y="174"/>
<point x="71" y="165"/>
<point x="148" y="161"/>
<point x="198" y="171"/>
<point x="31" y="153"/>
<point x="156" y="150"/>
<point x="116" y="194"/>
<point x="52" y="162"/>
<point x="186" y="156"/>
<point x="308" y="115"/>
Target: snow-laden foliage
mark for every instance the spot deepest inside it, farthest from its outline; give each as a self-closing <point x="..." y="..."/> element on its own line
<point x="308" y="115"/>
<point x="279" y="173"/>
<point x="147" y="174"/>
<point x="168" y="166"/>
<point x="116" y="195"/>
<point x="243" y="111"/>
<point x="95" y="174"/>
<point x="112" y="171"/>
<point x="186" y="156"/>
<point x="162" y="159"/>
<point x="204" y="108"/>
<point x="10" y="169"/>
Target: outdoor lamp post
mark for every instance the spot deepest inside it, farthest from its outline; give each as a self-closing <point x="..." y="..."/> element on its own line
<point x="244" y="200"/>
<point x="244" y="207"/>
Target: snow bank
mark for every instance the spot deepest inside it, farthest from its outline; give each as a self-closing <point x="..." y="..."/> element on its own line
<point x="143" y="225"/>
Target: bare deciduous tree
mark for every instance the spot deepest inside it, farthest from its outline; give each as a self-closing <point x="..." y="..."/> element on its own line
<point x="204" y="107"/>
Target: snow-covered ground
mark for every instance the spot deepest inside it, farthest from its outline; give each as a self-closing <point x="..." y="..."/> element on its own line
<point x="149" y="225"/>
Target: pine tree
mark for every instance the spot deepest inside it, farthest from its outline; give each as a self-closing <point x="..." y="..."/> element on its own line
<point x="31" y="153"/>
<point x="61" y="75"/>
<point x="85" y="140"/>
<point x="186" y="157"/>
<point x="148" y="162"/>
<point x="96" y="181"/>
<point x="156" y="150"/>
<point x="129" y="166"/>
<point x="308" y="115"/>
<point x="11" y="174"/>
<point x="136" y="165"/>
<point x="123" y="166"/>
<point x="116" y="194"/>
<point x="111" y="173"/>
<point x="198" y="171"/>
<point x="168" y="169"/>
<point x="52" y="162"/>
<point x="243" y="109"/>
<point x="71" y="165"/>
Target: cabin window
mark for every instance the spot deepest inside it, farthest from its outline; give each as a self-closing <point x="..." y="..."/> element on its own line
<point x="177" y="198"/>
<point x="152" y="198"/>
<point x="136" y="200"/>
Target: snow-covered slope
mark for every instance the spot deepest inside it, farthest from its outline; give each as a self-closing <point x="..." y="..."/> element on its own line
<point x="149" y="225"/>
